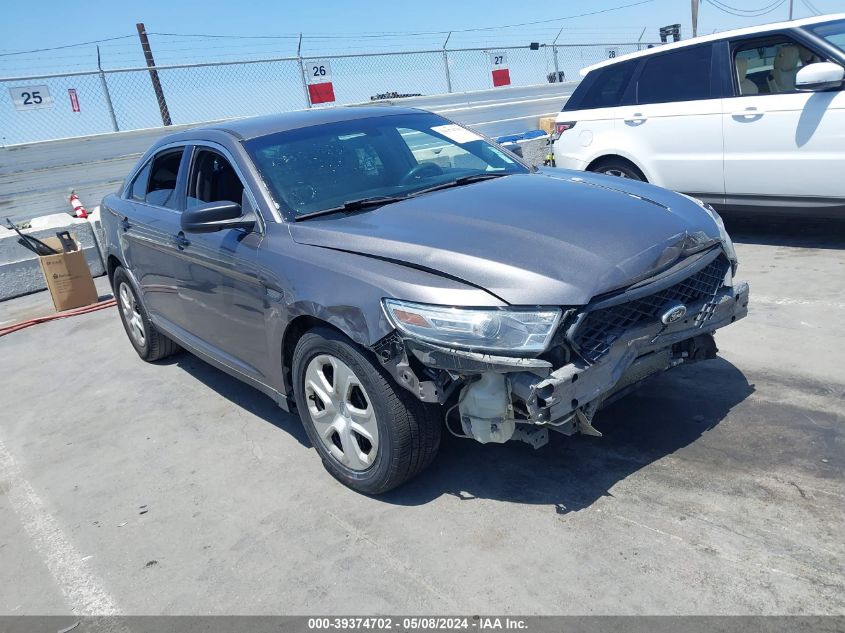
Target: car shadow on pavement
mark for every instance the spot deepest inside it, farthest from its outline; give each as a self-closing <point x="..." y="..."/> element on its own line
<point x="795" y="232"/>
<point x="668" y="413"/>
<point x="241" y="395"/>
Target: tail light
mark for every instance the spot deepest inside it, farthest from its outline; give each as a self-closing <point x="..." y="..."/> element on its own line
<point x="560" y="128"/>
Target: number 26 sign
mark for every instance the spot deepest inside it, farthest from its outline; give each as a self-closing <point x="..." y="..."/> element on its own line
<point x="318" y="73"/>
<point x="31" y="97"/>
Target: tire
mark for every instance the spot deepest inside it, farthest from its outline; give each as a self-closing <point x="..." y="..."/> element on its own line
<point x="398" y="444"/>
<point x="150" y="344"/>
<point x="619" y="168"/>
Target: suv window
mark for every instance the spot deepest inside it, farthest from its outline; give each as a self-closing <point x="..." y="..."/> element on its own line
<point x="769" y="66"/>
<point x="156" y="183"/>
<point x="213" y="179"/>
<point x="606" y="88"/>
<point x="682" y="75"/>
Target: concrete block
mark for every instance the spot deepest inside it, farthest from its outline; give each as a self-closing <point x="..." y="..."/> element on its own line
<point x="20" y="272"/>
<point x="534" y="150"/>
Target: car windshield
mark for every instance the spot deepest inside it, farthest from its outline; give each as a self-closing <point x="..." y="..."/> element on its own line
<point x="833" y="32"/>
<point x="313" y="169"/>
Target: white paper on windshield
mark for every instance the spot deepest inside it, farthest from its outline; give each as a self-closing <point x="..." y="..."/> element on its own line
<point x="456" y="133"/>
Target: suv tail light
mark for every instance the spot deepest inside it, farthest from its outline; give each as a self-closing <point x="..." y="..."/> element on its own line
<point x="560" y="128"/>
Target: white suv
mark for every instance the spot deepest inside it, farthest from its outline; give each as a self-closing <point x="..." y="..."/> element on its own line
<point x="746" y="119"/>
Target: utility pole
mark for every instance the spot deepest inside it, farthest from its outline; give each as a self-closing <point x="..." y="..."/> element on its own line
<point x="790" y="9"/>
<point x="694" y="8"/>
<point x="446" y="64"/>
<point x="105" y="86"/>
<point x="554" y="54"/>
<point x="302" y="72"/>
<point x="148" y="55"/>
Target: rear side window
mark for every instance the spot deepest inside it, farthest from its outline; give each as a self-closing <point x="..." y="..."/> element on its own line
<point x="138" y="190"/>
<point x="605" y="88"/>
<point x="161" y="188"/>
<point x="156" y="183"/>
<point x="682" y="75"/>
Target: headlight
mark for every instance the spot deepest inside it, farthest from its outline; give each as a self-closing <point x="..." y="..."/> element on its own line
<point x="487" y="329"/>
<point x="727" y="242"/>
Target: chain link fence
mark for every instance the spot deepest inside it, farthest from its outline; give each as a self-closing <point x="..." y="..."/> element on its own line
<point x="46" y="107"/>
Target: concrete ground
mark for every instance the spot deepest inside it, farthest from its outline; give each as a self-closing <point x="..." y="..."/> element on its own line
<point x="173" y="489"/>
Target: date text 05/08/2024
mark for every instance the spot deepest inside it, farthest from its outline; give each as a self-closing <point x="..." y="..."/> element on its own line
<point x="416" y="623"/>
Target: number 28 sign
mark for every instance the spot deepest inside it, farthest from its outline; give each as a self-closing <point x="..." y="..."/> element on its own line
<point x="31" y="97"/>
<point x="318" y="73"/>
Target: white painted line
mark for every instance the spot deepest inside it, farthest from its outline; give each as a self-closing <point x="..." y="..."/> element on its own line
<point x="69" y="569"/>
<point x="786" y="301"/>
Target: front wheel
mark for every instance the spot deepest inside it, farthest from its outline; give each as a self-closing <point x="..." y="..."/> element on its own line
<point x="150" y="344"/>
<point x="371" y="434"/>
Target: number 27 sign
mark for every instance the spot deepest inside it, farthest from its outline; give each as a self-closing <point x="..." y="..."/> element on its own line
<point x="31" y="97"/>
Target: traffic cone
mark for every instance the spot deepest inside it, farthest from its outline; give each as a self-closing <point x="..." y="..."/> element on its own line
<point x="78" y="210"/>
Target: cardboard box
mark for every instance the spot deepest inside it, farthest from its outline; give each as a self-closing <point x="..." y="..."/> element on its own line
<point x="547" y="124"/>
<point x="68" y="277"/>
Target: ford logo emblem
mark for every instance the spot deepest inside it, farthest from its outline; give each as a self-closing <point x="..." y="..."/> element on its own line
<point x="674" y="313"/>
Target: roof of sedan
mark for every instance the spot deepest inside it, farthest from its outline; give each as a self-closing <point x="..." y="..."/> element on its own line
<point x="713" y="37"/>
<point x="254" y="127"/>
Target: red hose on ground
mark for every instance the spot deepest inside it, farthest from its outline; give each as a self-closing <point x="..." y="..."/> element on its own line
<point x="59" y="315"/>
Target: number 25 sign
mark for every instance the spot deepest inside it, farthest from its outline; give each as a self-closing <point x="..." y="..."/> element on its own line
<point x="31" y="97"/>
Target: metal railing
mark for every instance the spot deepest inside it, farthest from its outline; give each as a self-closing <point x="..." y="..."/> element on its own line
<point x="54" y="106"/>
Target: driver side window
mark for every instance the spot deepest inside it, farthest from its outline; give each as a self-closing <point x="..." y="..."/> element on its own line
<point x="769" y="66"/>
<point x="213" y="179"/>
<point x="155" y="184"/>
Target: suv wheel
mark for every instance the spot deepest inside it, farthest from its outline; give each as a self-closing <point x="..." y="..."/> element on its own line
<point x="145" y="338"/>
<point x="371" y="434"/>
<point x="618" y="168"/>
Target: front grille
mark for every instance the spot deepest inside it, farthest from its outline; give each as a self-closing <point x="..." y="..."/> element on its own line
<point x="599" y="328"/>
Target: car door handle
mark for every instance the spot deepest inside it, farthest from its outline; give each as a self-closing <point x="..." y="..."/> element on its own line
<point x="747" y="113"/>
<point x="636" y="118"/>
<point x="181" y="240"/>
<point x="124" y="224"/>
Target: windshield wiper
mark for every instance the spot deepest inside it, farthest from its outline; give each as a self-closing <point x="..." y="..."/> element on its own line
<point x="458" y="182"/>
<point x="353" y="205"/>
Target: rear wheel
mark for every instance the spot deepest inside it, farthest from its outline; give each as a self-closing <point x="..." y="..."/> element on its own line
<point x="371" y="434"/>
<point x="150" y="344"/>
<point x="618" y="168"/>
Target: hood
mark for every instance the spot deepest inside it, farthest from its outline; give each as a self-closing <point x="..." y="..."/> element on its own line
<point x="551" y="238"/>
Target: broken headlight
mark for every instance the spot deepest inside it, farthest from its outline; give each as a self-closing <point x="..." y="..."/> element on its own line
<point x="484" y="329"/>
<point x="727" y="242"/>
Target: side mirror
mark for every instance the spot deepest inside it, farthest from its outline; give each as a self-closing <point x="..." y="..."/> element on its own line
<point x="820" y="76"/>
<point x="216" y="216"/>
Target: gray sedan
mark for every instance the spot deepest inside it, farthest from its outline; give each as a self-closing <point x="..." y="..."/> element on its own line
<point x="388" y="273"/>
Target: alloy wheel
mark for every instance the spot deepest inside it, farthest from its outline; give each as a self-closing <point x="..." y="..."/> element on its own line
<point x="132" y="314"/>
<point x="342" y="412"/>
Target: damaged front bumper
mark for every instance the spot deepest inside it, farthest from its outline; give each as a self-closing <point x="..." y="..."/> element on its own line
<point x="565" y="398"/>
<point x="633" y="356"/>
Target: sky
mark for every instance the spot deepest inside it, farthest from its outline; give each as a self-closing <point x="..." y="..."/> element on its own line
<point x="336" y="27"/>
